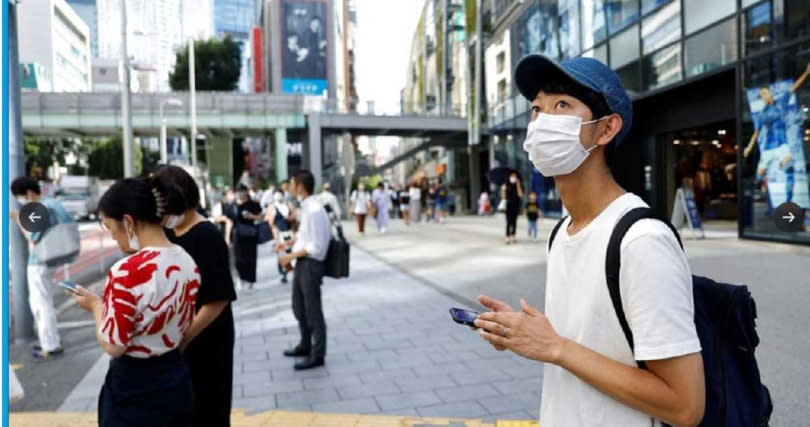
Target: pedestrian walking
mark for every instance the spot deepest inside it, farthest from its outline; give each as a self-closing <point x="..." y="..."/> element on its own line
<point x="208" y="343"/>
<point x="148" y="305"/>
<point x="280" y="215"/>
<point x="442" y="200"/>
<point x="514" y="195"/>
<point x="381" y="199"/>
<point x="404" y="195"/>
<point x="244" y="216"/>
<point x="532" y="214"/>
<point x="328" y="198"/>
<point x="416" y="202"/>
<point x="40" y="275"/>
<point x="361" y="204"/>
<point x="431" y="205"/>
<point x="580" y="112"/>
<point x="308" y="252"/>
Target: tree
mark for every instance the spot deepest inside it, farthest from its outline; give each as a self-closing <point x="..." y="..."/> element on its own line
<point x="217" y="65"/>
<point x="106" y="159"/>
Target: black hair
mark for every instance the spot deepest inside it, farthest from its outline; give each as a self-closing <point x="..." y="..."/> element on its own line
<point x="305" y="178"/>
<point x="380" y="185"/>
<point x="241" y="188"/>
<point x="592" y="99"/>
<point x="177" y="176"/>
<point x="21" y="185"/>
<point x="144" y="199"/>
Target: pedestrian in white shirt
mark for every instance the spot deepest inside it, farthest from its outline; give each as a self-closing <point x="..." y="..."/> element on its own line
<point x="309" y="252"/>
<point x="415" y="202"/>
<point x="328" y="198"/>
<point x="361" y="203"/>
<point x="580" y="112"/>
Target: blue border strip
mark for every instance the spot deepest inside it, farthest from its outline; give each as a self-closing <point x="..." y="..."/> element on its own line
<point x="6" y="5"/>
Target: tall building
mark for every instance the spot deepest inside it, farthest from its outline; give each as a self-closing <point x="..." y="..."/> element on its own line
<point x="154" y="32"/>
<point x="53" y="36"/>
<point x="720" y="89"/>
<point x="235" y="18"/>
<point x="88" y="11"/>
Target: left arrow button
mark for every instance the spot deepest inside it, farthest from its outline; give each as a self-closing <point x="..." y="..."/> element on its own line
<point x="34" y="217"/>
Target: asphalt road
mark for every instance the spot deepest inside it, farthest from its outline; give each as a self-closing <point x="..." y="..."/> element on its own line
<point x="466" y="257"/>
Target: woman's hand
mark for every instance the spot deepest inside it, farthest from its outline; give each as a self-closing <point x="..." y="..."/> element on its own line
<point x="527" y="333"/>
<point x="86" y="299"/>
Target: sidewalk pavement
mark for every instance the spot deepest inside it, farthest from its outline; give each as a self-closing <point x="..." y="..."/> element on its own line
<point x="467" y="256"/>
<point x="392" y="349"/>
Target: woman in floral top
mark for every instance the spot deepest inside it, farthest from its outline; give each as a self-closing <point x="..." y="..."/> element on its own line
<point x="147" y="305"/>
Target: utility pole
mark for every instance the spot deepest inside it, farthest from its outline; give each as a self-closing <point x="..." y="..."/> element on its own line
<point x="478" y="44"/>
<point x="443" y="92"/>
<point x="23" y="319"/>
<point x="126" y="113"/>
<point x="192" y="88"/>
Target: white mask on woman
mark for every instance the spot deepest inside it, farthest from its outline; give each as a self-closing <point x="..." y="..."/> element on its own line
<point x="552" y="142"/>
<point x="172" y="221"/>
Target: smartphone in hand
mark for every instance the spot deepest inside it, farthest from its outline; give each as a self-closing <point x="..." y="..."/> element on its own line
<point x="68" y="285"/>
<point x="464" y="317"/>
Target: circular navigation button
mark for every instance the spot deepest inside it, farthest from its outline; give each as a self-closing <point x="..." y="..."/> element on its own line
<point x="789" y="217"/>
<point x="34" y="217"/>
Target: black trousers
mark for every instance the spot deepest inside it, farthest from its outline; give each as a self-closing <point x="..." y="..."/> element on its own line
<point x="306" y="304"/>
<point x="155" y="392"/>
<point x="511" y="222"/>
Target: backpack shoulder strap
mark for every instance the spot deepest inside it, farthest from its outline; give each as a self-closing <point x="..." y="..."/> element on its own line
<point x="613" y="264"/>
<point x="555" y="230"/>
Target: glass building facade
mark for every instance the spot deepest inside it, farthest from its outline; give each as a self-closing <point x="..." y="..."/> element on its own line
<point x="721" y="91"/>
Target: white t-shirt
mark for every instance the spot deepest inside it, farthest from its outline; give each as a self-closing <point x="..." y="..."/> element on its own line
<point x="361" y="199"/>
<point x="149" y="300"/>
<point x="656" y="292"/>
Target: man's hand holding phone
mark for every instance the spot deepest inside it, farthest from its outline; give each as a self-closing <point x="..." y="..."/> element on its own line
<point x="496" y="306"/>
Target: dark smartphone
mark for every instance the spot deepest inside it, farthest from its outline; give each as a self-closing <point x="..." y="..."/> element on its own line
<point x="464" y="317"/>
<point x="68" y="285"/>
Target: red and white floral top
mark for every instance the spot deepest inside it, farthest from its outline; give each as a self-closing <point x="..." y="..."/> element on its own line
<point x="149" y="300"/>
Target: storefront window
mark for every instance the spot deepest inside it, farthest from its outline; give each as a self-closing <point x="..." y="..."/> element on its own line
<point x="663" y="67"/>
<point x="700" y="13"/>
<point x="624" y="47"/>
<point x="569" y="28"/>
<point x="776" y="141"/>
<point x="620" y="14"/>
<point x="594" y="30"/>
<point x="648" y="6"/>
<point x="712" y="48"/>
<point x="797" y="19"/>
<point x="536" y="31"/>
<point x="661" y="28"/>
<point x="757" y="28"/>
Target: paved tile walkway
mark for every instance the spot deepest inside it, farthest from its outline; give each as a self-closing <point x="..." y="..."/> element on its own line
<point x="392" y="349"/>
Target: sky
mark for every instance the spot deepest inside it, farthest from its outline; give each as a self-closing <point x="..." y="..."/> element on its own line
<point x="385" y="30"/>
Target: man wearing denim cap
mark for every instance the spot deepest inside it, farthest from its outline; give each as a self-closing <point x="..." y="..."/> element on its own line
<point x="580" y="112"/>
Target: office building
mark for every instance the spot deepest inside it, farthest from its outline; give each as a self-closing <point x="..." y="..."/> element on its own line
<point x="88" y="11"/>
<point x="53" y="36"/>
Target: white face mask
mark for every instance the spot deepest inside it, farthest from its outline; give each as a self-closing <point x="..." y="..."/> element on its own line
<point x="512" y="179"/>
<point x="552" y="142"/>
<point x="278" y="198"/>
<point x="134" y="243"/>
<point x="22" y="200"/>
<point x="172" y="221"/>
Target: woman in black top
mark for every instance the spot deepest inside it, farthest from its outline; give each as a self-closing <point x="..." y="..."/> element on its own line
<point x="514" y="194"/>
<point x="208" y="344"/>
<point x="244" y="217"/>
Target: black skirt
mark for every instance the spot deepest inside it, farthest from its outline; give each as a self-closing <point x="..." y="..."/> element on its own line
<point x="147" y="392"/>
<point x="244" y="252"/>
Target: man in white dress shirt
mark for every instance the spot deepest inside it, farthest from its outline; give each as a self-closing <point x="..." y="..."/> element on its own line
<point x="309" y="253"/>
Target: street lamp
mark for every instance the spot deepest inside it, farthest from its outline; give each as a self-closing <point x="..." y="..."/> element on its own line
<point x="164" y="154"/>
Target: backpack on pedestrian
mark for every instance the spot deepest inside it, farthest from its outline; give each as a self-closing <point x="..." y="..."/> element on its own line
<point x="725" y="320"/>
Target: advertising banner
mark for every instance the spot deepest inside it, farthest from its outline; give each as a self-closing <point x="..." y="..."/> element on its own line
<point x="782" y="167"/>
<point x="304" y="41"/>
<point x="258" y="60"/>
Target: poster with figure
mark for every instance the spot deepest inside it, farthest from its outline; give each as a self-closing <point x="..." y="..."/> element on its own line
<point x="304" y="40"/>
<point x="782" y="166"/>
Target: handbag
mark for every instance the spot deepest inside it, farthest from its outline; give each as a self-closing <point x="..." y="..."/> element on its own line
<point x="337" y="255"/>
<point x="246" y="231"/>
<point x="372" y="210"/>
<point x="502" y="205"/>
<point x="264" y="233"/>
<point x="60" y="244"/>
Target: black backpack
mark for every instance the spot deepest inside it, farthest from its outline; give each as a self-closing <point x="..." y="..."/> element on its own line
<point x="337" y="255"/>
<point x="725" y="322"/>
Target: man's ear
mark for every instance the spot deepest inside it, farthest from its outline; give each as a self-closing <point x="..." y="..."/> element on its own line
<point x="608" y="131"/>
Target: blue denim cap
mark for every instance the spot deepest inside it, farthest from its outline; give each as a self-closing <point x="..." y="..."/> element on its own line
<point x="588" y="72"/>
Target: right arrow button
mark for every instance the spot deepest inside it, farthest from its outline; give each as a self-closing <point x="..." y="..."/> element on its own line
<point x="789" y="217"/>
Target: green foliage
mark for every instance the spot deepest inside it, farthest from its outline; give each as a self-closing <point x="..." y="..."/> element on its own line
<point x="217" y="65"/>
<point x="44" y="152"/>
<point x="106" y="159"/>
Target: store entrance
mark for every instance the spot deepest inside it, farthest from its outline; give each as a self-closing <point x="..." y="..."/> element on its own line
<point x="704" y="159"/>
